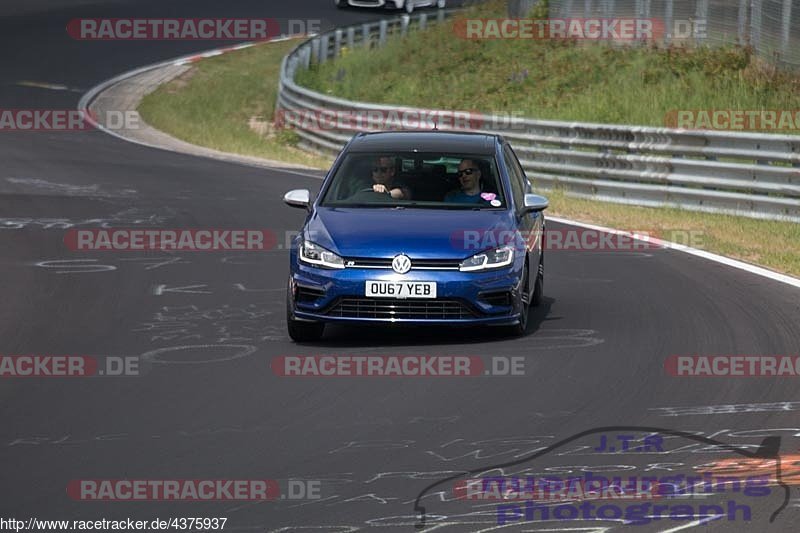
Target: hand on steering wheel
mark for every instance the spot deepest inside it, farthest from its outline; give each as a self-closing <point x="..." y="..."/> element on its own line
<point x="370" y="189"/>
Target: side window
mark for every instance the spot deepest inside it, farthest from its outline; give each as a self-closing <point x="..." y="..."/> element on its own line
<point x="517" y="189"/>
<point x="520" y="171"/>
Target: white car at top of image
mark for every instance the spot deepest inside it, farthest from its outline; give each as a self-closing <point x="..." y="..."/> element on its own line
<point x="408" y="5"/>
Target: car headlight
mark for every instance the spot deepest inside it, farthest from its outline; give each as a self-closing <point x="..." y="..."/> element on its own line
<point x="497" y="258"/>
<point x="314" y="254"/>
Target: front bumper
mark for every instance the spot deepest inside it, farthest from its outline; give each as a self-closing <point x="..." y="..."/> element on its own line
<point x="396" y="4"/>
<point x="462" y="297"/>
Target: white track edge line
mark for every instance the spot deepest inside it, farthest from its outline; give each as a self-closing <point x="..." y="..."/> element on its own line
<point x="727" y="261"/>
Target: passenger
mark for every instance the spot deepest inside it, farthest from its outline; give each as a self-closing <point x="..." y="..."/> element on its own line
<point x="471" y="192"/>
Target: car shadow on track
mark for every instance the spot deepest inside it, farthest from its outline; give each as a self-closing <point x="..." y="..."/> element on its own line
<point x="404" y="335"/>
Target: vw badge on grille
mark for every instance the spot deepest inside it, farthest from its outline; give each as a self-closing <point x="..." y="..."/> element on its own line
<point x="401" y="263"/>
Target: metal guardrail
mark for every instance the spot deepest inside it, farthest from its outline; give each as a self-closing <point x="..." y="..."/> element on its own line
<point x="754" y="175"/>
<point x="770" y="27"/>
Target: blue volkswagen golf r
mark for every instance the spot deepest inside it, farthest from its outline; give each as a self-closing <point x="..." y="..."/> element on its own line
<point x="418" y="228"/>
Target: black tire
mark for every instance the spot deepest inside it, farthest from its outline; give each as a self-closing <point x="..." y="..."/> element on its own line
<point x="538" y="290"/>
<point x="301" y="331"/>
<point x="521" y="328"/>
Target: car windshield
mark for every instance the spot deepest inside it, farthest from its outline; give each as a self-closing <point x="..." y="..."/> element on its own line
<point x="417" y="180"/>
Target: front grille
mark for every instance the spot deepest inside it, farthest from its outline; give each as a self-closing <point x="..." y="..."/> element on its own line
<point x="401" y="309"/>
<point x="443" y="264"/>
<point x="416" y="264"/>
<point x="367" y="262"/>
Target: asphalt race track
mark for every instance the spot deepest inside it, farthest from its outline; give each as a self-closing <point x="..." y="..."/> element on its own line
<point x="205" y="327"/>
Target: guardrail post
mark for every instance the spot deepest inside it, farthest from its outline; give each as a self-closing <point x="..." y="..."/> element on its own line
<point x="323" y="49"/>
<point x="404" y="25"/>
<point x="384" y="26"/>
<point x="315" y="50"/>
<point x="365" y="35"/>
<point x="337" y="43"/>
<point x="701" y="14"/>
<point x="423" y="21"/>
<point x="787" y="28"/>
<point x="743" y="35"/>
<point x="668" y="21"/>
<point x="610" y="8"/>
<point x="755" y="25"/>
<point x="306" y="57"/>
<point x="291" y="65"/>
<point x="440" y="15"/>
<point x="351" y="37"/>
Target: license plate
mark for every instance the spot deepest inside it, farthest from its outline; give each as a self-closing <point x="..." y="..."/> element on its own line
<point x="401" y="289"/>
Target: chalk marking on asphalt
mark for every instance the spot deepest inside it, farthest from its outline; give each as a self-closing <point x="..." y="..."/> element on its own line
<point x="152" y="355"/>
<point x="45" y="85"/>
<point x="159" y="290"/>
<point x="706" y="518"/>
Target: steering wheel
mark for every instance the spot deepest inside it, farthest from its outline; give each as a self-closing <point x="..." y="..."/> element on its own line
<point x="369" y="195"/>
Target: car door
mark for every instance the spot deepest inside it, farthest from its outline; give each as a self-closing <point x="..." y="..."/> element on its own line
<point x="529" y="224"/>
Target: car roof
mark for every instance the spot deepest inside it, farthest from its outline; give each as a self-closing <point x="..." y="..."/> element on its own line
<point x="425" y="141"/>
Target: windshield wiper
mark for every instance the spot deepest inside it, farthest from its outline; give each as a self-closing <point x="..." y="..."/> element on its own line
<point x="417" y="205"/>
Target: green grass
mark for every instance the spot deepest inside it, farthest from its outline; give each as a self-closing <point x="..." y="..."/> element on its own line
<point x="768" y="243"/>
<point x="561" y="80"/>
<point x="213" y="103"/>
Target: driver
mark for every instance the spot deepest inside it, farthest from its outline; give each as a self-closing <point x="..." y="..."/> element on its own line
<point x="383" y="174"/>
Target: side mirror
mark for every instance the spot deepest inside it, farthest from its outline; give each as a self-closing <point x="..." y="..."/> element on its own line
<point x="298" y="198"/>
<point x="534" y="202"/>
